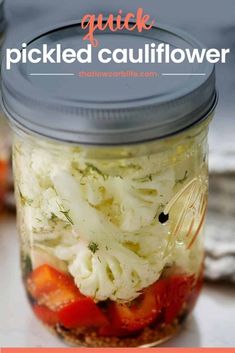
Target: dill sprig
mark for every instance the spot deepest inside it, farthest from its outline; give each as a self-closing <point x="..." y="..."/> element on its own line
<point x="25" y="200"/>
<point x="93" y="247"/>
<point x="67" y="216"/>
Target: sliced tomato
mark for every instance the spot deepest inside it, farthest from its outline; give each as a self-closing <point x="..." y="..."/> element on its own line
<point x="46" y="315"/>
<point x="172" y="293"/>
<point x="127" y="318"/>
<point x="82" y="313"/>
<point x="52" y="288"/>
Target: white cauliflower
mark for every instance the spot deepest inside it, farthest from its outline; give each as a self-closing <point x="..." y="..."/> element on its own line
<point x="139" y="199"/>
<point x="111" y="270"/>
<point x="100" y="219"/>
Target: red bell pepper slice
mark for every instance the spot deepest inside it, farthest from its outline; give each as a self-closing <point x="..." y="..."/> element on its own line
<point x="46" y="315"/>
<point x="82" y="313"/>
<point x="129" y="318"/>
<point x="52" y="288"/>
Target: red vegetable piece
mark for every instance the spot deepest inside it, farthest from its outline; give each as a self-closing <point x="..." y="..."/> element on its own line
<point x="3" y="179"/>
<point x="46" y="315"/>
<point x="196" y="291"/>
<point x="52" y="288"/>
<point x="172" y="293"/>
<point x="127" y="318"/>
<point x="82" y="313"/>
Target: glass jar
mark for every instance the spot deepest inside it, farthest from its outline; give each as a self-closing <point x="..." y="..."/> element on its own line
<point x="111" y="198"/>
<point x="4" y="161"/>
<point x="4" y="132"/>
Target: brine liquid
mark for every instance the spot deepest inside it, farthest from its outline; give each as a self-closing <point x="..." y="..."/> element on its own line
<point x="111" y="238"/>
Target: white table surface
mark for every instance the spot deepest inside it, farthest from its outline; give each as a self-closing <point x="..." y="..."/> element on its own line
<point x="211" y="325"/>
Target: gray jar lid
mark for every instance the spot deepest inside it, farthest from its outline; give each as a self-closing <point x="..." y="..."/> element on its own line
<point x="108" y="111"/>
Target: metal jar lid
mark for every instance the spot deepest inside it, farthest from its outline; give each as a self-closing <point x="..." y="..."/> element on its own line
<point x="108" y="110"/>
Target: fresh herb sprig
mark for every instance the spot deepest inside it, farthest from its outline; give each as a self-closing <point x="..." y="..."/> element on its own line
<point x="25" y="200"/>
<point x="93" y="247"/>
<point x="66" y="214"/>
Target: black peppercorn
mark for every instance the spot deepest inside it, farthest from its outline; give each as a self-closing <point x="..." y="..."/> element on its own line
<point x="163" y="218"/>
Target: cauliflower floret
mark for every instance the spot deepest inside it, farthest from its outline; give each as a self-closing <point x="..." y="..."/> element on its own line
<point x="94" y="191"/>
<point x="49" y="214"/>
<point x="139" y="199"/>
<point x="114" y="270"/>
<point x="28" y="185"/>
<point x="35" y="220"/>
<point x="39" y="227"/>
<point x="130" y="203"/>
<point x="51" y="205"/>
<point x="41" y="162"/>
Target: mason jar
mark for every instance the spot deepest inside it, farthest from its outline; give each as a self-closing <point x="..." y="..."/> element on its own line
<point x="111" y="180"/>
<point x="4" y="133"/>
